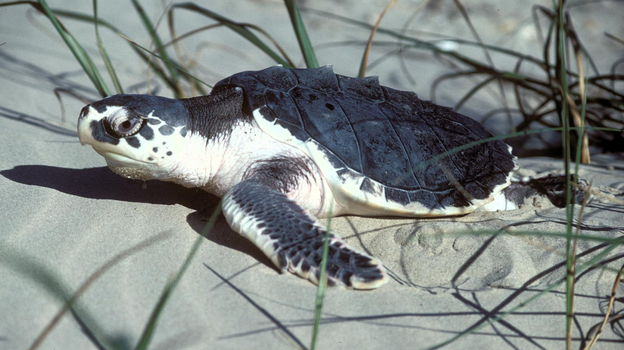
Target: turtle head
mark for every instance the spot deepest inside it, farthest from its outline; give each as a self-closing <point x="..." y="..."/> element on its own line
<point x="140" y="136"/>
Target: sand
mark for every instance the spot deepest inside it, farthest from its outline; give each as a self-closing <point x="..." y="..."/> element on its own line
<point x="64" y="215"/>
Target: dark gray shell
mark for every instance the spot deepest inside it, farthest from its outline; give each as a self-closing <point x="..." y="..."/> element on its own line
<point x="383" y="137"/>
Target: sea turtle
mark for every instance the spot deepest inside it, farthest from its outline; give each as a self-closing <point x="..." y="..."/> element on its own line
<point x="286" y="146"/>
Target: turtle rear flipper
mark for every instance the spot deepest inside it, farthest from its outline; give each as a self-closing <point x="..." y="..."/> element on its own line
<point x="552" y="186"/>
<point x="293" y="239"/>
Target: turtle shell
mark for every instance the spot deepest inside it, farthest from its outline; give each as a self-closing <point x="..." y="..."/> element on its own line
<point x="382" y="151"/>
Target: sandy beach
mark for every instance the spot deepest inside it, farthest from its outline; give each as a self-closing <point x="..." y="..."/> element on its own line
<point x="64" y="215"/>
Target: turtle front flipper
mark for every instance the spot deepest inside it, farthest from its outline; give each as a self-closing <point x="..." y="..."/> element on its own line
<point x="293" y="239"/>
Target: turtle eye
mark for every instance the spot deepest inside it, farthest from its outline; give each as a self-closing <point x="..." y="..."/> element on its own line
<point x="123" y="125"/>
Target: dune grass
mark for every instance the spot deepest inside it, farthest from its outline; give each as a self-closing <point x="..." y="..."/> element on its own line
<point x="564" y="90"/>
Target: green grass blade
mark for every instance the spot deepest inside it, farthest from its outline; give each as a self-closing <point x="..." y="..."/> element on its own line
<point x="565" y="136"/>
<point x="92" y="66"/>
<point x="322" y="286"/>
<point x="135" y="47"/>
<point x="79" y="53"/>
<point x="105" y="58"/>
<point x="239" y="28"/>
<point x="222" y="24"/>
<point x="196" y="88"/>
<point x="148" y="332"/>
<point x="302" y="35"/>
<point x="174" y="65"/>
<point x="173" y="73"/>
<point x="89" y="19"/>
<point x="273" y="41"/>
<point x="579" y="151"/>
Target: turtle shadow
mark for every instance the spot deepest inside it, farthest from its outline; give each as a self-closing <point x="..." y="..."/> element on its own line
<point x="102" y="183"/>
<point x="223" y="235"/>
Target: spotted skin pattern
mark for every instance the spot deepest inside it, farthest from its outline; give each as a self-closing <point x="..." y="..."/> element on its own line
<point x="155" y="141"/>
<point x="160" y="148"/>
<point x="294" y="239"/>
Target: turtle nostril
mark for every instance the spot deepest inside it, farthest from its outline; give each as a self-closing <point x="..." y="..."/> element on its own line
<point x="84" y="112"/>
